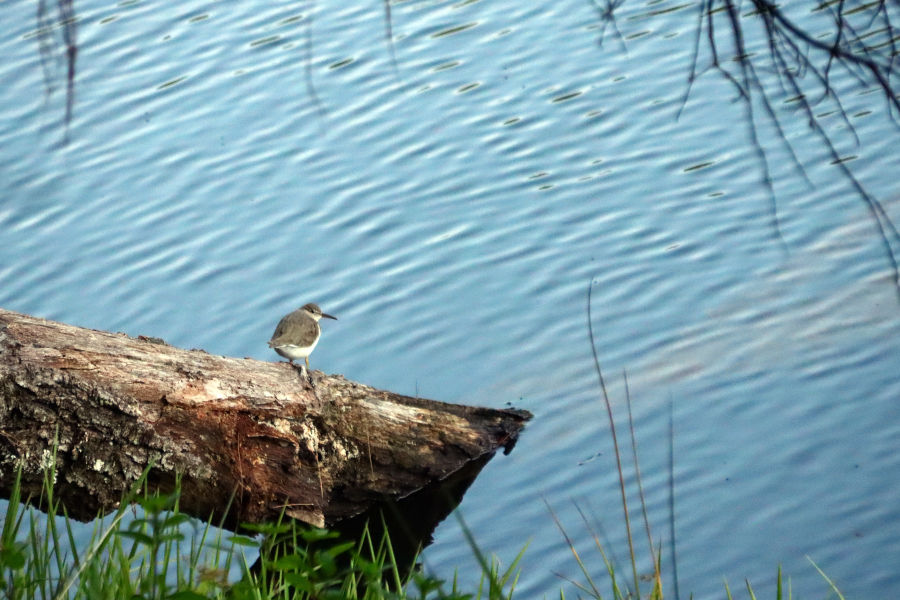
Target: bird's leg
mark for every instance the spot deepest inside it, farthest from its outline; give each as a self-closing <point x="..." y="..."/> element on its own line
<point x="304" y="372"/>
<point x="308" y="376"/>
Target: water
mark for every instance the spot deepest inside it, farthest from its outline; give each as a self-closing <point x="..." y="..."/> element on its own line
<point x="452" y="212"/>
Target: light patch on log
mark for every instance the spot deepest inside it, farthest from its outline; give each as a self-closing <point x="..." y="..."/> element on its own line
<point x="313" y="517"/>
<point x="282" y="426"/>
<point x="396" y="413"/>
<point x="209" y="390"/>
<point x="47" y="462"/>
<point x="343" y="452"/>
<point x="310" y="435"/>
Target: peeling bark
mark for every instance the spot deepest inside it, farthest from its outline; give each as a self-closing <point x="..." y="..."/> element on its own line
<point x="256" y="430"/>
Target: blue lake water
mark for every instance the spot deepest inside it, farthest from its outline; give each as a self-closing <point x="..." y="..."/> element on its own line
<point x="452" y="209"/>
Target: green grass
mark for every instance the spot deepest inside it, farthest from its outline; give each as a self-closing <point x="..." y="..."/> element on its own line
<point x="148" y="556"/>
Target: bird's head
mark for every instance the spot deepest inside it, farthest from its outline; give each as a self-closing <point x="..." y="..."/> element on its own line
<point x="315" y="312"/>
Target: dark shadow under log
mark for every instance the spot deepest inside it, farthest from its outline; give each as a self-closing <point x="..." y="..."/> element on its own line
<point x="255" y="431"/>
<point x="409" y="523"/>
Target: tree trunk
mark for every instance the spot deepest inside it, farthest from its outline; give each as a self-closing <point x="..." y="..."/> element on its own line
<point x="322" y="451"/>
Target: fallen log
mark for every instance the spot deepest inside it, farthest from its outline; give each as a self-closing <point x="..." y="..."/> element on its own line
<point x="249" y="439"/>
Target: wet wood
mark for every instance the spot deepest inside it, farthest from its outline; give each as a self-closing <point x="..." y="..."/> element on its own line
<point x="243" y="431"/>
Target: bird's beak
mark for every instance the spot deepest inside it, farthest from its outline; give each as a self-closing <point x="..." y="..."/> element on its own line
<point x="329" y="316"/>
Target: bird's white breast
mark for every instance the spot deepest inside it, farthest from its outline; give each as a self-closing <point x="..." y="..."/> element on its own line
<point x="294" y="351"/>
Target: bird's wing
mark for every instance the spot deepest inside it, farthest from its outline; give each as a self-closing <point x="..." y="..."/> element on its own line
<point x="280" y="329"/>
<point x="299" y="324"/>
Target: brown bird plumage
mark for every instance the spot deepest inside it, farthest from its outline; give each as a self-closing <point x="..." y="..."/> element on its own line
<point x="298" y="333"/>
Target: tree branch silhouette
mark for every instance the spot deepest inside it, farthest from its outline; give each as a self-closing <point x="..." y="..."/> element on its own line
<point x="47" y="49"/>
<point x="796" y="56"/>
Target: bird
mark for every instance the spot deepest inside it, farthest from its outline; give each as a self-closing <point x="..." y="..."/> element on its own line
<point x="297" y="334"/>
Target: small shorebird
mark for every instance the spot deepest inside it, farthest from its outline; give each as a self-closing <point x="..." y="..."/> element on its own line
<point x="298" y="333"/>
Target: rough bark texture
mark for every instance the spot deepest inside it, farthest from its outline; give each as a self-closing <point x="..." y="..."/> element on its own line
<point x="325" y="451"/>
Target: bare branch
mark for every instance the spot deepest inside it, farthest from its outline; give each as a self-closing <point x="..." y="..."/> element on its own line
<point x="865" y="51"/>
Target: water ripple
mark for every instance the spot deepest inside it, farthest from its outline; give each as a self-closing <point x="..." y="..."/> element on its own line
<point x="452" y="213"/>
